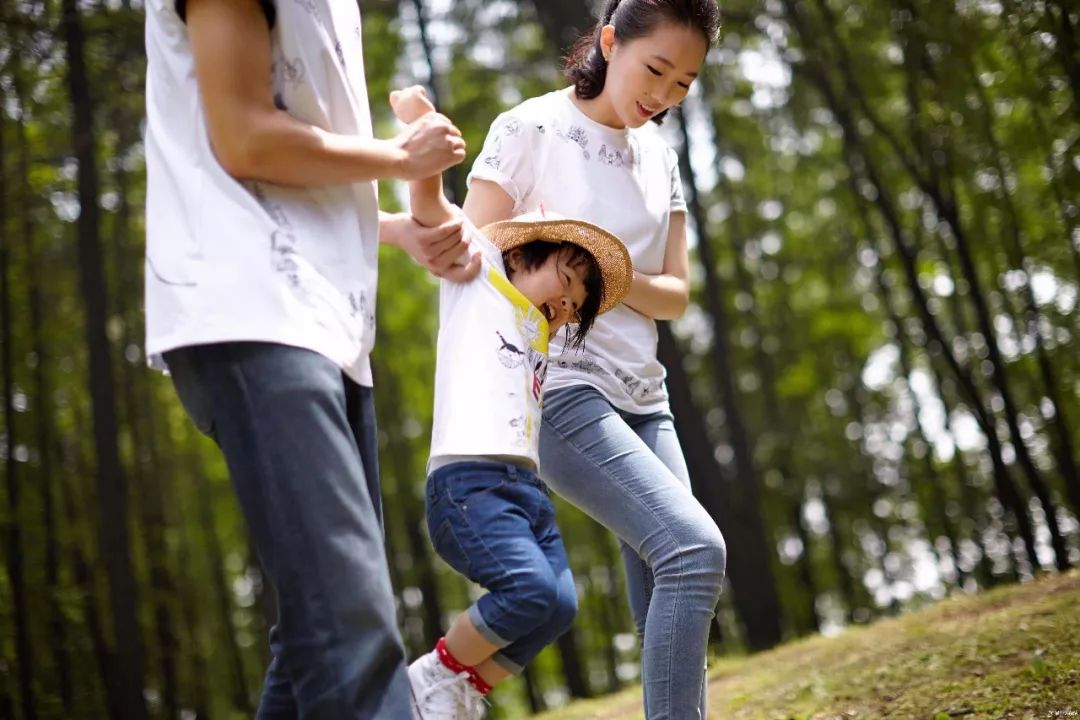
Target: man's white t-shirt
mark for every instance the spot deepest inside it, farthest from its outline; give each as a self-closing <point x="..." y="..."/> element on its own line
<point x="252" y="261"/>
<point x="489" y="368"/>
<point x="547" y="152"/>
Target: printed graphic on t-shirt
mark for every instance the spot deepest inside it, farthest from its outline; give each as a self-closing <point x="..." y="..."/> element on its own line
<point x="613" y="157"/>
<point x="494" y="157"/>
<point x="636" y="387"/>
<point x="576" y="135"/>
<point x="532" y="357"/>
<point x="286" y="260"/>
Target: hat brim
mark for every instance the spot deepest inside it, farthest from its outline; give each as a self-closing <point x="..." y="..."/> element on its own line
<point x="610" y="253"/>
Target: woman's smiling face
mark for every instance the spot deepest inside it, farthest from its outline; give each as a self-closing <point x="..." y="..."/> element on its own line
<point x="652" y="73"/>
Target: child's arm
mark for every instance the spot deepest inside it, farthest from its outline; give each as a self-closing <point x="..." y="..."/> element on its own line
<point x="429" y="206"/>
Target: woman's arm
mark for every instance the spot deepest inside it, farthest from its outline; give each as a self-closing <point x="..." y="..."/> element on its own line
<point x="253" y="139"/>
<point x="486" y="203"/>
<point x="665" y="296"/>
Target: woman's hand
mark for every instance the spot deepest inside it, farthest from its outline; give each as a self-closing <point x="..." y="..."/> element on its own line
<point x="665" y="296"/>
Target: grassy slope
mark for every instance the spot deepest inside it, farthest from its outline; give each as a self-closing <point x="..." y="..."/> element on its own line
<point x="1009" y="653"/>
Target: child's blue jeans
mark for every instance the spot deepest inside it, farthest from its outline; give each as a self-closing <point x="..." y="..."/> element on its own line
<point x="495" y="524"/>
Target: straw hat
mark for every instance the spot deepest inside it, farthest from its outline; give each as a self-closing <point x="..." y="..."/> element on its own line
<point x="610" y="254"/>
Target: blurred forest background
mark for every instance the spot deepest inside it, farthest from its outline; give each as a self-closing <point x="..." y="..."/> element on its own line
<point x="876" y="384"/>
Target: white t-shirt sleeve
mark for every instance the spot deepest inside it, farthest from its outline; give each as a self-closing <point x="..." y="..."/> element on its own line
<point x="508" y="157"/>
<point x="480" y="241"/>
<point x="678" y="203"/>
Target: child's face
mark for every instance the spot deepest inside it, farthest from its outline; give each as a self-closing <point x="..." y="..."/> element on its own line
<point x="650" y="74"/>
<point x="556" y="287"/>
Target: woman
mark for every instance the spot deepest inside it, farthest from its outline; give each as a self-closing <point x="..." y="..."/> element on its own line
<point x="607" y="440"/>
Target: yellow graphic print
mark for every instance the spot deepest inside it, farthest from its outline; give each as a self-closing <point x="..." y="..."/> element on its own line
<point x="533" y="327"/>
<point x="531" y="323"/>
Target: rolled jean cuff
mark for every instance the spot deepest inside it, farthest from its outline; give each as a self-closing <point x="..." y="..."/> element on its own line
<point x="507" y="664"/>
<point x="484" y="629"/>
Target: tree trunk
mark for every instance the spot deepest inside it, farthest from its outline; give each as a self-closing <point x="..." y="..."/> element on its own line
<point x="76" y="466"/>
<point x="938" y="501"/>
<point x="564" y="21"/>
<point x="532" y="691"/>
<point x="43" y="415"/>
<point x="1044" y="136"/>
<point x="974" y="508"/>
<point x="845" y="576"/>
<point x="1062" y="434"/>
<point x="861" y="166"/>
<point x="867" y="489"/>
<point x="937" y="185"/>
<point x="399" y="460"/>
<point x="1067" y="46"/>
<point x="577" y="682"/>
<point x="115" y="543"/>
<point x="222" y="593"/>
<point x="610" y="602"/>
<point x="454" y="185"/>
<point x="198" y="696"/>
<point x="762" y="609"/>
<point x="24" y="653"/>
<point x="803" y="609"/>
<point x="710" y="486"/>
<point x="147" y="470"/>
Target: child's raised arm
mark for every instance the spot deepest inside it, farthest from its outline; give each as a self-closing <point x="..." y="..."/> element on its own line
<point x="429" y="206"/>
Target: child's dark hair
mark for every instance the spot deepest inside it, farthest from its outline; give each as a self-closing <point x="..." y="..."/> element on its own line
<point x="534" y="254"/>
<point x="586" y="67"/>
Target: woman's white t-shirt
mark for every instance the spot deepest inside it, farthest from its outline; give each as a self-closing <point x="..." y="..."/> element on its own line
<point x="233" y="261"/>
<point x="546" y="152"/>
<point x="489" y="368"/>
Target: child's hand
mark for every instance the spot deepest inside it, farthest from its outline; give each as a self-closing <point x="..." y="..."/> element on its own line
<point x="410" y="104"/>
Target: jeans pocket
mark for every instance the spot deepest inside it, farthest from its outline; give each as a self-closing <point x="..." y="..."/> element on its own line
<point x="466" y="489"/>
<point x="446" y="544"/>
<point x="190" y="388"/>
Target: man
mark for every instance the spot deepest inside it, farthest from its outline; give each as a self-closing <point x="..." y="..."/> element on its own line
<point x="262" y="232"/>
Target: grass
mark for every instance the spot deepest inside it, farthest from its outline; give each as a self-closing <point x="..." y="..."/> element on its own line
<point x="1013" y="652"/>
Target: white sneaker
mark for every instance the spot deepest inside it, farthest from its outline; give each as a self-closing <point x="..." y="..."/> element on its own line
<point x="473" y="704"/>
<point x="440" y="693"/>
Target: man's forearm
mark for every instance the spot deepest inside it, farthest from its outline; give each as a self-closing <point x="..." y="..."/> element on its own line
<point x="280" y="149"/>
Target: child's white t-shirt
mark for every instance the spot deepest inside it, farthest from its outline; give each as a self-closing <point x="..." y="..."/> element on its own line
<point x="231" y="261"/>
<point x="547" y="152"/>
<point x="490" y="366"/>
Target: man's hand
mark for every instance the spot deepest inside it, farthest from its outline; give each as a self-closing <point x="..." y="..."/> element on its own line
<point x="429" y="145"/>
<point x="442" y="249"/>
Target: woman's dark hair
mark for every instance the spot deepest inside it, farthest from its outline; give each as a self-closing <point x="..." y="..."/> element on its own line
<point x="586" y="67"/>
<point x="533" y="254"/>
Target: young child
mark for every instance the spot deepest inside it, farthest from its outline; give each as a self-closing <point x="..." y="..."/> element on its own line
<point x="488" y="514"/>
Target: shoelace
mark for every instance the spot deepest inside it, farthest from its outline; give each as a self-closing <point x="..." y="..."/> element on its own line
<point x="474" y="704"/>
<point x="450" y="682"/>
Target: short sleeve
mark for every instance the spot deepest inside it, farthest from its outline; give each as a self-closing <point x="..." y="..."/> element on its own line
<point x="678" y="203"/>
<point x="508" y="156"/>
<point x="485" y="246"/>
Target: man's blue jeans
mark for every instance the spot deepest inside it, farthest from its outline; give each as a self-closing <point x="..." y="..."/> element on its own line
<point x="299" y="440"/>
